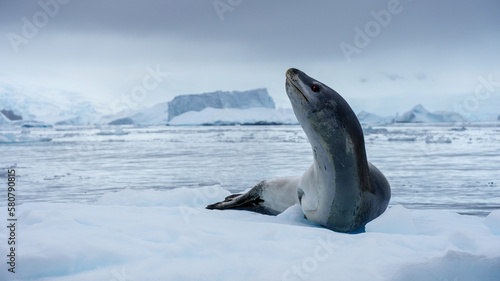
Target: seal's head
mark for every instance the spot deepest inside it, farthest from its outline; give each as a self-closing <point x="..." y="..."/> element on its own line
<point x="314" y="103"/>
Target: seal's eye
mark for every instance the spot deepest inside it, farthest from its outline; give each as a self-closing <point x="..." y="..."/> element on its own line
<point x="315" y="88"/>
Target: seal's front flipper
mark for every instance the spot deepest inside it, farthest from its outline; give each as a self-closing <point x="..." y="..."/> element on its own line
<point x="231" y="202"/>
<point x="250" y="201"/>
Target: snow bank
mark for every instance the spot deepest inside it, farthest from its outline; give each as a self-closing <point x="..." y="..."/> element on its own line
<point x="169" y="235"/>
<point x="395" y="220"/>
<point x="231" y="116"/>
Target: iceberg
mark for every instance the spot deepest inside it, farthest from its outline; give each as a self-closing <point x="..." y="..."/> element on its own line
<point x="155" y="115"/>
<point x="254" y="107"/>
<point x="56" y="107"/>
<point x="366" y="118"/>
<point x="122" y="121"/>
<point x="219" y="99"/>
<point x="78" y="120"/>
<point x="418" y="114"/>
<point x="370" y="130"/>
<point x="32" y="124"/>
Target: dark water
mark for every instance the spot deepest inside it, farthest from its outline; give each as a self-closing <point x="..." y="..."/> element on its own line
<point x="80" y="166"/>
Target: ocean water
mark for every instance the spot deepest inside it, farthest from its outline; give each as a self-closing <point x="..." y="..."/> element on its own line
<point x="428" y="167"/>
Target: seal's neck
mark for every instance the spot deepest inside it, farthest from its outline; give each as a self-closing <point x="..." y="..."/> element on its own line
<point x="339" y="150"/>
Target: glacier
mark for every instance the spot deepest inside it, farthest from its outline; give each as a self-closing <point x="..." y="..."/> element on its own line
<point x="47" y="106"/>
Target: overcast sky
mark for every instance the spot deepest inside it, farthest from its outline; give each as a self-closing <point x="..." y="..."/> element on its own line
<point x="382" y="56"/>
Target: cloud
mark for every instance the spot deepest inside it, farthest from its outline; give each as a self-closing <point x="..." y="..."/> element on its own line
<point x="421" y="76"/>
<point x="394" y="77"/>
<point x="101" y="48"/>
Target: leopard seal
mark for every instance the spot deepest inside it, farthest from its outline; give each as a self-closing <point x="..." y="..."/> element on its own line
<point x="341" y="190"/>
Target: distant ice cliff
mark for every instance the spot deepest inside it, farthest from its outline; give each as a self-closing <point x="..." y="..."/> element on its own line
<point x="220" y="99"/>
<point x="418" y="114"/>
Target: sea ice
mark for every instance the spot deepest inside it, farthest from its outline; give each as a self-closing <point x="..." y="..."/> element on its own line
<point x="169" y="235"/>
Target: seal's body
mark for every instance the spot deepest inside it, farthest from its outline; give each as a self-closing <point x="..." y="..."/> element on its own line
<point x="341" y="190"/>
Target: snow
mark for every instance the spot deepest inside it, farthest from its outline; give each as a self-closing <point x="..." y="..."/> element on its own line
<point x="395" y="220"/>
<point x="219" y="99"/>
<point x="235" y="116"/>
<point x="169" y="235"/>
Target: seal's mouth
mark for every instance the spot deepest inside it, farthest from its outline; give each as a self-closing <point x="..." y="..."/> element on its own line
<point x="291" y="80"/>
